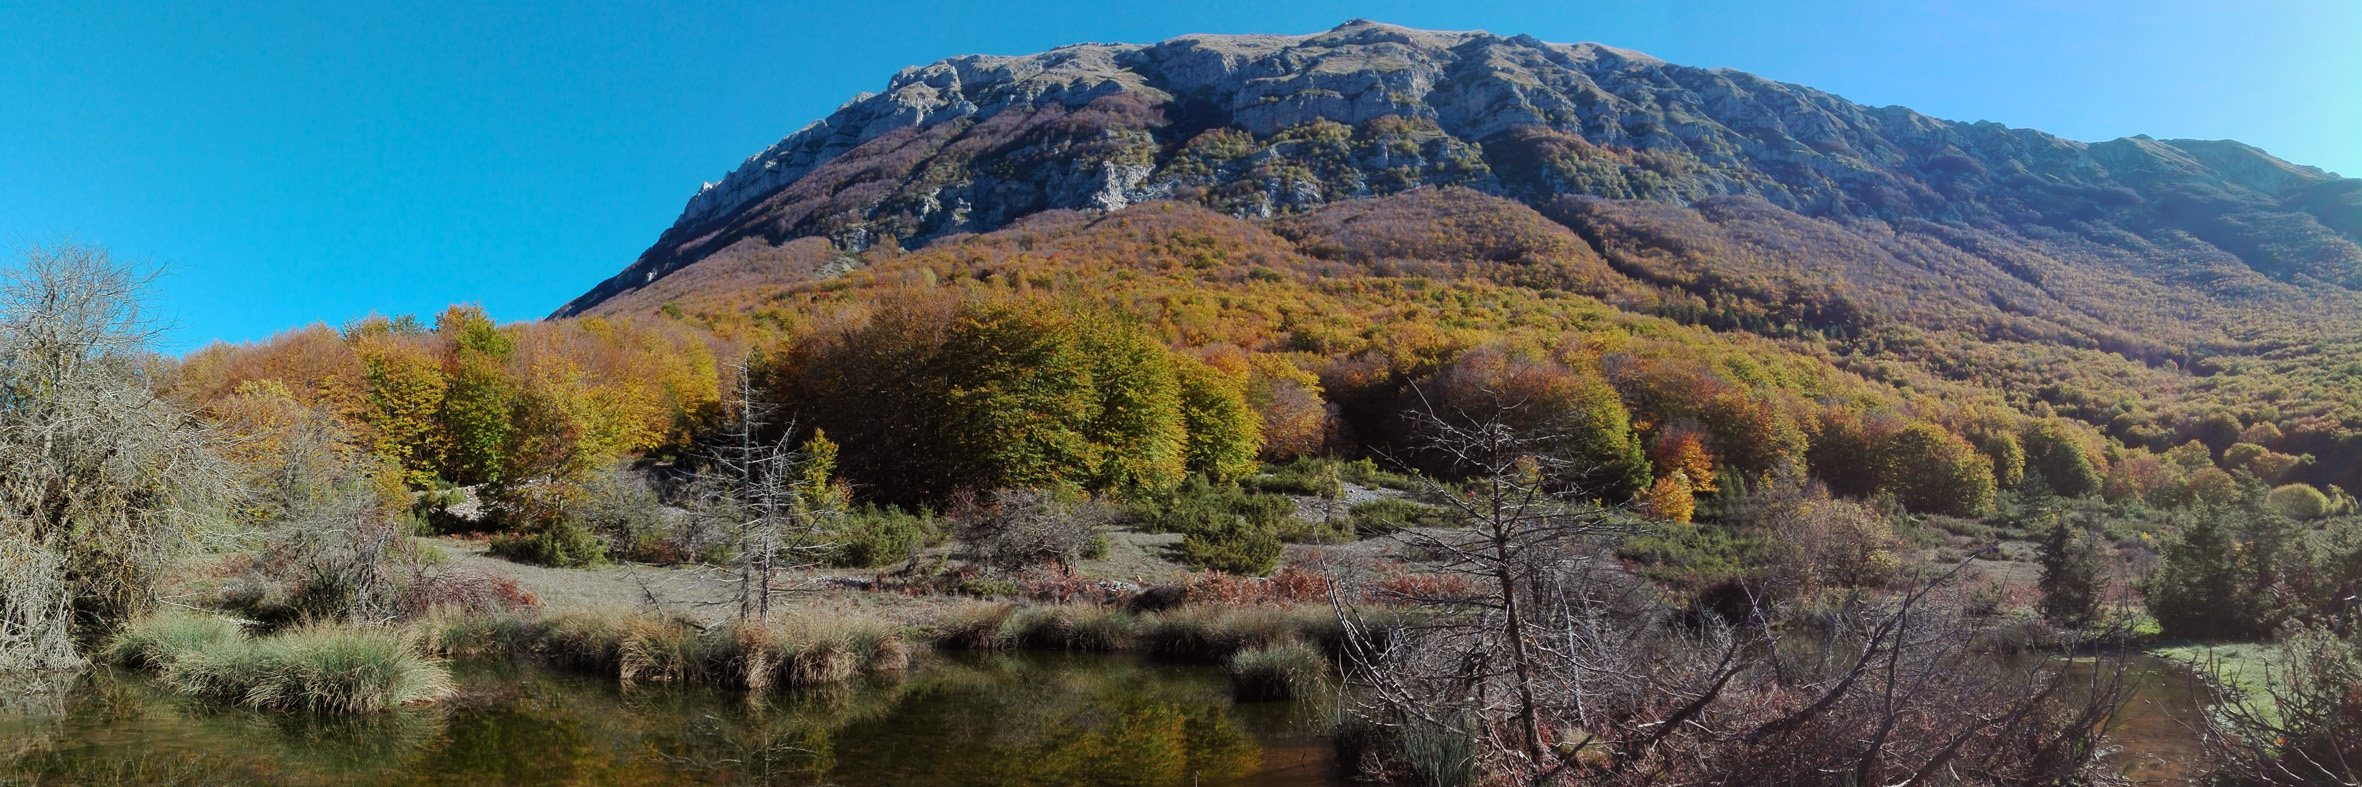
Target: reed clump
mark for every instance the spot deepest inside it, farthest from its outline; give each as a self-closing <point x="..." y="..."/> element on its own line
<point x="793" y="651"/>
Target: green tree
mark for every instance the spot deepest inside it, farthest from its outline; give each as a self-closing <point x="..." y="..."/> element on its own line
<point x="1930" y="469"/>
<point x="477" y="420"/>
<point x="1136" y="426"/>
<point x="2233" y="574"/>
<point x="2198" y="591"/>
<point x="1844" y="451"/>
<point x="2074" y="566"/>
<point x="406" y="390"/>
<point x="933" y="396"/>
<point x="2298" y="501"/>
<point x="478" y="400"/>
<point x="1019" y="399"/>
<point x="2007" y="453"/>
<point x="1225" y="433"/>
<point x="2053" y="452"/>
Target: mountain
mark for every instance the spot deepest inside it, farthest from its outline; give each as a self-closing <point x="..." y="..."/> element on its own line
<point x="2148" y="287"/>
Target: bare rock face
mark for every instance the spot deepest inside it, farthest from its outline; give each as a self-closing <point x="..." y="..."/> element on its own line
<point x="1267" y="125"/>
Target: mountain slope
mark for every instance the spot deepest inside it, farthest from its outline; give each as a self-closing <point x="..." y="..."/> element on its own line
<point x="2142" y="285"/>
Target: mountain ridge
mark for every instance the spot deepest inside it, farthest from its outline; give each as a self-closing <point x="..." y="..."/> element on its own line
<point x="1478" y="106"/>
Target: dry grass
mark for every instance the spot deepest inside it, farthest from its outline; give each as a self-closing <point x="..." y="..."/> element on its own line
<point x="797" y="650"/>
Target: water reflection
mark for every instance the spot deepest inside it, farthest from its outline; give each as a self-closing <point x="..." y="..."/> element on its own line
<point x="2158" y="733"/>
<point x="1027" y="719"/>
<point x="1017" y="720"/>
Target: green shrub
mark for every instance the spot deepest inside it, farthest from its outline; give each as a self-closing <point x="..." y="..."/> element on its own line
<point x="1389" y="514"/>
<point x="559" y="543"/>
<point x="1223" y="527"/>
<point x="1298" y="530"/>
<point x="1693" y="557"/>
<point x="1312" y="476"/>
<point x="1223" y="512"/>
<point x="1367" y="473"/>
<point x="431" y="513"/>
<point x="1320" y="476"/>
<point x="1233" y="547"/>
<point x="2298" y="501"/>
<point x="877" y="536"/>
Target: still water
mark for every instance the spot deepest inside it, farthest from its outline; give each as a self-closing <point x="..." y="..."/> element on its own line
<point x="1029" y="719"/>
<point x="1024" y="719"/>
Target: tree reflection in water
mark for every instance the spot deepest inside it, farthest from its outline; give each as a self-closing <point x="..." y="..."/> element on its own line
<point x="1010" y="719"/>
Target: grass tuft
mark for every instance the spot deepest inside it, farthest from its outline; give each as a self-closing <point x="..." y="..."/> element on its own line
<point x="319" y="669"/>
<point x="155" y="641"/>
<point x="1282" y="671"/>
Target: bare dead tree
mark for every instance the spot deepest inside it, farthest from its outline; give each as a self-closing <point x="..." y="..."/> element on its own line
<point x="101" y="482"/>
<point x="1527" y="517"/>
<point x="771" y="496"/>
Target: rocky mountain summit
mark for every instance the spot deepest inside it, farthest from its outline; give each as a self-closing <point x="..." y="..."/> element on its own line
<point x="1259" y="126"/>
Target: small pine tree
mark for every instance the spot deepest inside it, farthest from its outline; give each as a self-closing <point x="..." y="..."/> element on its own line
<point x="2073" y="571"/>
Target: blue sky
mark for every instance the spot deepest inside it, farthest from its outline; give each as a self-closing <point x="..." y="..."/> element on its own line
<point x="301" y="162"/>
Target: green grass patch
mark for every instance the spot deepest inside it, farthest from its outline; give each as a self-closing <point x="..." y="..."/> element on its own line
<point x="2238" y="666"/>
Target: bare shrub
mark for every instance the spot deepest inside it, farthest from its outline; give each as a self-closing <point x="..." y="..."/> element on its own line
<point x="622" y="506"/>
<point x="1549" y="663"/>
<point x="1813" y="540"/>
<point x="101" y="483"/>
<point x="319" y="513"/>
<point x="2301" y="724"/>
<point x="1020" y="528"/>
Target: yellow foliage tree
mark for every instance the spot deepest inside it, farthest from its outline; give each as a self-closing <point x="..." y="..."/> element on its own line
<point x="1669" y="500"/>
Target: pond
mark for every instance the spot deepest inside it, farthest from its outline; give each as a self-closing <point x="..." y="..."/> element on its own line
<point x="2157" y="734"/>
<point x="954" y="720"/>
